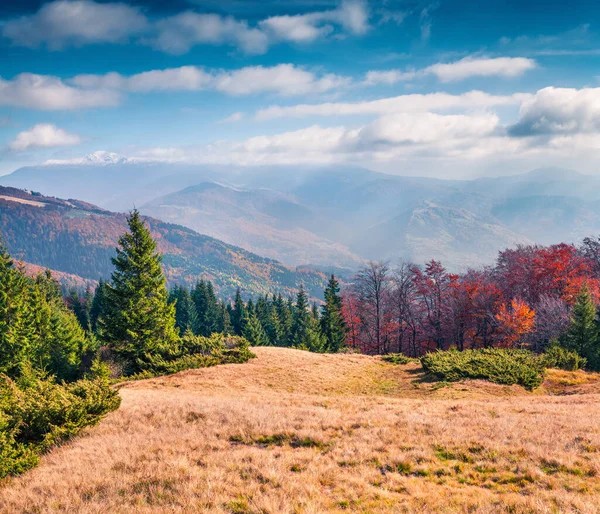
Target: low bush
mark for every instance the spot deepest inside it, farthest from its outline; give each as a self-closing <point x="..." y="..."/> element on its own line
<point x="36" y="412"/>
<point x="397" y="358"/>
<point x="499" y="365"/>
<point x="195" y="352"/>
<point x="561" y="358"/>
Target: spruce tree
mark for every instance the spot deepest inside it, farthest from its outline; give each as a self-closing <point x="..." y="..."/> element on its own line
<point x="238" y="314"/>
<point x="99" y="306"/>
<point x="139" y="321"/>
<point x="16" y="323"/>
<point x="224" y="322"/>
<point x="583" y="336"/>
<point x="254" y="332"/>
<point x="186" y="317"/>
<point x="301" y="319"/>
<point x="333" y="325"/>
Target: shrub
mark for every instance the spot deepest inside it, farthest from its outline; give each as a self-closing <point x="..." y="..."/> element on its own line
<point x="36" y="413"/>
<point x="397" y="358"/>
<point x="561" y="358"/>
<point x="499" y="365"/>
<point x="195" y="352"/>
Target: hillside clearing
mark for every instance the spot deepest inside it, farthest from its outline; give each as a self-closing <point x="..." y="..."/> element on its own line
<point x="298" y="432"/>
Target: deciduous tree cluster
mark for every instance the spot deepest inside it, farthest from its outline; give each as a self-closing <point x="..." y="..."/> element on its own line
<point x="532" y="296"/>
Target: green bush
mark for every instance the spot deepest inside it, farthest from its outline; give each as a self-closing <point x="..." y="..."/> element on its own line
<point x="499" y="365"/>
<point x="561" y="358"/>
<point x="36" y="412"/>
<point x="397" y="358"/>
<point x="195" y="352"/>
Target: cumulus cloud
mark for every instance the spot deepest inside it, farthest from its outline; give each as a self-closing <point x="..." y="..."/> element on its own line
<point x="505" y="67"/>
<point x="351" y="15"/>
<point x="402" y="103"/>
<point x="76" y="22"/>
<point x="559" y="111"/>
<point x="51" y="93"/>
<point x="43" y="135"/>
<point x="64" y="23"/>
<point x="282" y="79"/>
<point x="177" y="34"/>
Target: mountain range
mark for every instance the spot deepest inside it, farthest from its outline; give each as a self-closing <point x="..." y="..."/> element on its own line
<point x="336" y="216"/>
<point x="76" y="240"/>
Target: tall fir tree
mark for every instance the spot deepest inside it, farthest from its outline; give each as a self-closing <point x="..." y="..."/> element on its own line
<point x="140" y="321"/>
<point x="333" y="325"/>
<point x="301" y="318"/>
<point x="583" y="335"/>
<point x="224" y="322"/>
<point x="254" y="332"/>
<point x="186" y="317"/>
<point x="238" y="314"/>
<point x="16" y="322"/>
<point x="99" y="305"/>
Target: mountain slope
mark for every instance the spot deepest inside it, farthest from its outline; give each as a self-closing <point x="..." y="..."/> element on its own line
<point x="78" y="238"/>
<point x="337" y="216"/>
<point x="263" y="221"/>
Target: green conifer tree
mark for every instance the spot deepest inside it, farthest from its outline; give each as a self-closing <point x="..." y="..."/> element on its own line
<point x="583" y="336"/>
<point x="333" y="325"/>
<point x="254" y="332"/>
<point x="140" y="321"/>
<point x="238" y="314"/>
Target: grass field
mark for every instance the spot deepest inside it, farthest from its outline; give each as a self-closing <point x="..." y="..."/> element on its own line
<point x="294" y="432"/>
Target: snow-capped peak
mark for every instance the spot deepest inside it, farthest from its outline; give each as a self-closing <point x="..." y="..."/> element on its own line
<point x="98" y="158"/>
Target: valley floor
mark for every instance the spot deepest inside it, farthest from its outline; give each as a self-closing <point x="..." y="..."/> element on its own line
<point x="294" y="432"/>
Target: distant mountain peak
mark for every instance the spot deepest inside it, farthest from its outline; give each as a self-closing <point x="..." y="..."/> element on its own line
<point x="98" y="158"/>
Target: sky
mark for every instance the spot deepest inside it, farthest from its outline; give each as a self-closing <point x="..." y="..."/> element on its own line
<point x="440" y="88"/>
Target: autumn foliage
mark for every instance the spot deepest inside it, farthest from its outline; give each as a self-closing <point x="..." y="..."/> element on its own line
<point x="524" y="301"/>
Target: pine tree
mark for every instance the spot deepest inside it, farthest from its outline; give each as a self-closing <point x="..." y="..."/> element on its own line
<point x="238" y="314"/>
<point x="224" y="323"/>
<point x="254" y="332"/>
<point x="583" y="336"/>
<point x="186" y="317"/>
<point x="98" y="308"/>
<point x="139" y="321"/>
<point x="301" y="319"/>
<point x="333" y="325"/>
<point x="16" y="324"/>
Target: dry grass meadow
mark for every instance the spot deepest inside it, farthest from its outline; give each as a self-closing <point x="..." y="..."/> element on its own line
<point x="294" y="432"/>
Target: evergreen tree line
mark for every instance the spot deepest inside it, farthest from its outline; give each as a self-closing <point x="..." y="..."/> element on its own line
<point x="271" y="320"/>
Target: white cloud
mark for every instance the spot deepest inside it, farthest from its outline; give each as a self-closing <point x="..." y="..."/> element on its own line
<point x="236" y="116"/>
<point x="283" y="79"/>
<point x="75" y="22"/>
<point x="51" y="93"/>
<point x="422" y="128"/>
<point x="185" y="78"/>
<point x="43" y="135"/>
<point x="64" y="23"/>
<point x="402" y="103"/>
<point x="559" y="111"/>
<point x="506" y="67"/>
<point x="177" y="34"/>
<point x="352" y="15"/>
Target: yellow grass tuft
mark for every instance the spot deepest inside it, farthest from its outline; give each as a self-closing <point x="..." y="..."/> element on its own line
<point x="294" y="432"/>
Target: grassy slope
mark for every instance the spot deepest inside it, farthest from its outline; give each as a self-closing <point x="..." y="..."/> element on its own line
<point x="298" y="432"/>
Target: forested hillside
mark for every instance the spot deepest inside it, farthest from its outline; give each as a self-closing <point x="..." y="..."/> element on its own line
<point x="78" y="238"/>
<point x="338" y="215"/>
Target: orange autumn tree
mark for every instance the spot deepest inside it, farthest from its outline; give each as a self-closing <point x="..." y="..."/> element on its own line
<point x="516" y="321"/>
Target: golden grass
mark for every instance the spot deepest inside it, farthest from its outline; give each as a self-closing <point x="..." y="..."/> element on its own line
<point x="293" y="432"/>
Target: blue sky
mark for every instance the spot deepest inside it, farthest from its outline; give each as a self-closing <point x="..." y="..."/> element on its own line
<point x="448" y="88"/>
